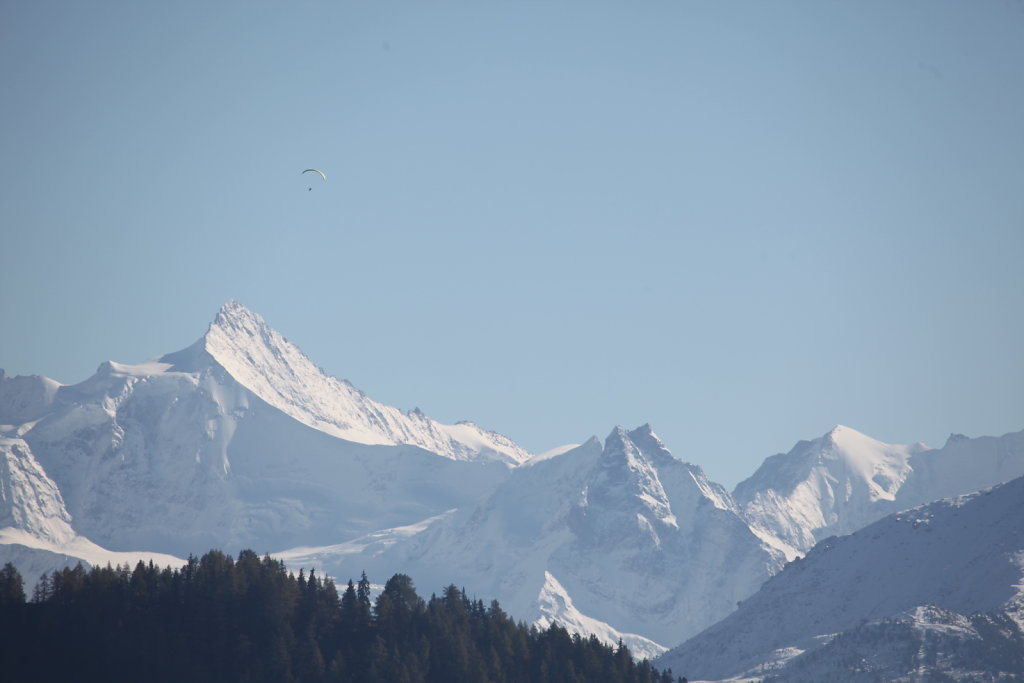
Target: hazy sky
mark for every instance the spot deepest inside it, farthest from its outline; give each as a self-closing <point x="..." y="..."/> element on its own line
<point x="742" y="222"/>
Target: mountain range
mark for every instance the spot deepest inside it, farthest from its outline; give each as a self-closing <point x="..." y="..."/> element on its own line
<point x="241" y="441"/>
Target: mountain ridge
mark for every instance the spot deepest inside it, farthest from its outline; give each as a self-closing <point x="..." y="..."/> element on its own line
<point x="963" y="555"/>
<point x="844" y="480"/>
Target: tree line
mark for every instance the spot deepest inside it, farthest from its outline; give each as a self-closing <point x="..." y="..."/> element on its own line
<point x="249" y="620"/>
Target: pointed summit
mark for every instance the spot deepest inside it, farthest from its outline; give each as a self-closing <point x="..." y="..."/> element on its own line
<point x="648" y="442"/>
<point x="844" y="436"/>
<point x="628" y="483"/>
<point x="616" y="438"/>
<point x="278" y="372"/>
<point x="238" y="331"/>
<point x="829" y="485"/>
<point x="226" y="335"/>
<point x="240" y="323"/>
<point x="231" y="309"/>
<point x="234" y="307"/>
<point x="234" y="316"/>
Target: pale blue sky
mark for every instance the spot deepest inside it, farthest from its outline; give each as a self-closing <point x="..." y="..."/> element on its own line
<point x="742" y="222"/>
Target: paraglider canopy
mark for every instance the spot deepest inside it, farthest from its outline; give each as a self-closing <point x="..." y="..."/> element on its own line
<point x="314" y="170"/>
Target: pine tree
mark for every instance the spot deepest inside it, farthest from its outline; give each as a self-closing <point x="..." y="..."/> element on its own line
<point x="12" y="586"/>
<point x="363" y="612"/>
<point x="41" y="593"/>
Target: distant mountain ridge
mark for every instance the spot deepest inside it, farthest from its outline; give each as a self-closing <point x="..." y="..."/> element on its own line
<point x="240" y="440"/>
<point x="844" y="480"/>
<point x="927" y="569"/>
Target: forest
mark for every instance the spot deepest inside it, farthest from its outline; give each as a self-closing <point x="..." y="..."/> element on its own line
<point x="227" y="620"/>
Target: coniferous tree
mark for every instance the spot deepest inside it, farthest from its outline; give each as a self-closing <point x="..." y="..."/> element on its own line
<point x="41" y="593"/>
<point x="363" y="599"/>
<point x="12" y="586"/>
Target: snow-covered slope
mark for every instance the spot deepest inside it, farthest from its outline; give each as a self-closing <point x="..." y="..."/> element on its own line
<point x="624" y="535"/>
<point x="35" y="527"/>
<point x="29" y="500"/>
<point x="845" y="480"/>
<point x="831" y="485"/>
<point x="24" y="398"/>
<point x="962" y="465"/>
<point x="963" y="555"/>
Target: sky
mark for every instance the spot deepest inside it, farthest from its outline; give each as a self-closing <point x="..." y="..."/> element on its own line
<point x="740" y="222"/>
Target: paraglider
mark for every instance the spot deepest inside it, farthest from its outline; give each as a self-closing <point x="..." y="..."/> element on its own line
<point x="315" y="170"/>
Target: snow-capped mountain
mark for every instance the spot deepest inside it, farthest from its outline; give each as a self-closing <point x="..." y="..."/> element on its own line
<point x="844" y="480"/>
<point x="237" y="441"/>
<point x="622" y="539"/>
<point x="898" y="582"/>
